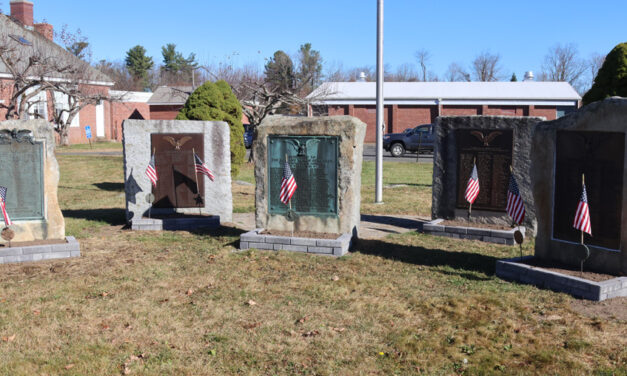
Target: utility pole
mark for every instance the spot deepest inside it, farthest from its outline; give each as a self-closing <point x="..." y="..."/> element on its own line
<point x="378" y="198"/>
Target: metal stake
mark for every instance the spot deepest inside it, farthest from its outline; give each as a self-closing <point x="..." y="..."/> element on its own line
<point x="379" y="125"/>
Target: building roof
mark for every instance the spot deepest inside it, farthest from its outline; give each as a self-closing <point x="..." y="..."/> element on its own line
<point x="170" y="95"/>
<point x="131" y="96"/>
<point x="43" y="48"/>
<point x="461" y="93"/>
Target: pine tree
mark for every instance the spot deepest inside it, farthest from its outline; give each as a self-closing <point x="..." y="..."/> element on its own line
<point x="612" y="77"/>
<point x="138" y="64"/>
<point x="310" y="68"/>
<point x="514" y="78"/>
<point x="280" y="72"/>
<point x="171" y="58"/>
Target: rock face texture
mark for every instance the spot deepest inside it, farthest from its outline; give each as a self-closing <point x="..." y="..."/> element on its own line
<point x="218" y="199"/>
<point x="350" y="133"/>
<point x="445" y="166"/>
<point x="605" y="116"/>
<point x="51" y="224"/>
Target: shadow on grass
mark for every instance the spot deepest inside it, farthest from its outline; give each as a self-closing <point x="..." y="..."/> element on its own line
<point x="471" y="262"/>
<point x="113" y="216"/>
<point x="393" y="221"/>
<point x="110" y="186"/>
<point x="222" y="231"/>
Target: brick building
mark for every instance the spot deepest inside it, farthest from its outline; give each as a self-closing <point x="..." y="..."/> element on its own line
<point x="408" y="104"/>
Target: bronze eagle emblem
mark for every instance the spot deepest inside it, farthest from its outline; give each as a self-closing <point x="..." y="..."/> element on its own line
<point x="486" y="139"/>
<point x="177" y="143"/>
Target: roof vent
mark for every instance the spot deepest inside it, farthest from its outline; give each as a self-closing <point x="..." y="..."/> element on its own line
<point x="362" y="77"/>
<point x="528" y="76"/>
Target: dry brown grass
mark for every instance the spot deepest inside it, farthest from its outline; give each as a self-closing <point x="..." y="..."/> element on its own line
<point x="184" y="303"/>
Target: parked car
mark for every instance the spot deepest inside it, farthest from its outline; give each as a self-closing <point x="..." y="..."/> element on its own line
<point x="419" y="139"/>
<point x="248" y="136"/>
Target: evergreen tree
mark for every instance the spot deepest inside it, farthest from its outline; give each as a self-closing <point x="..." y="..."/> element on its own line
<point x="138" y="64"/>
<point x="216" y="101"/>
<point x="514" y="78"/>
<point x="78" y="49"/>
<point x="612" y="77"/>
<point x="310" y="68"/>
<point x="171" y="58"/>
<point x="280" y="72"/>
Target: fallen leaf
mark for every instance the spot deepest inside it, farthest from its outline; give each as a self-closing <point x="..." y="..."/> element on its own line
<point x="336" y="278"/>
<point x="189" y="292"/>
<point x="252" y="326"/>
<point x="300" y="321"/>
<point x="9" y="338"/>
<point x="164" y="300"/>
<point x="126" y="371"/>
<point x="251" y="302"/>
<point x="104" y="293"/>
<point x="36" y="312"/>
<point x="69" y="366"/>
<point x="339" y="330"/>
<point x="312" y="333"/>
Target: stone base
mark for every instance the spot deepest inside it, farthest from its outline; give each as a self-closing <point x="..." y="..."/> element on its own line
<point x="175" y="224"/>
<point x="514" y="270"/>
<point x="41" y="252"/>
<point x="331" y="247"/>
<point x="471" y="233"/>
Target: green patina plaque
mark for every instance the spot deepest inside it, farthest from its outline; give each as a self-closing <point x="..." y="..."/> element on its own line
<point x="314" y="163"/>
<point x="21" y="172"/>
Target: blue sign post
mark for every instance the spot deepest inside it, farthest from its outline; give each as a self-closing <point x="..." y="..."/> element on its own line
<point x="88" y="134"/>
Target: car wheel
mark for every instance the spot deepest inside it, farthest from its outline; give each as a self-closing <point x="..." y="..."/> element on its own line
<point x="397" y="150"/>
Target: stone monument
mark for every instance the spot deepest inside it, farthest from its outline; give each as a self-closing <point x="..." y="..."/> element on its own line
<point x="495" y="143"/>
<point x="181" y="199"/>
<point x="30" y="173"/>
<point x="325" y="156"/>
<point x="592" y="142"/>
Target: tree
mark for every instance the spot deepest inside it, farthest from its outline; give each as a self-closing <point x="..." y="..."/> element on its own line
<point x="216" y="101"/>
<point x="171" y="58"/>
<point x="118" y="73"/>
<point x="514" y="78"/>
<point x="562" y="63"/>
<point x="486" y="67"/>
<point x="612" y="77"/>
<point x="75" y="42"/>
<point x="455" y="72"/>
<point x="594" y="64"/>
<point x="279" y="72"/>
<point x="423" y="56"/>
<point x="310" y="68"/>
<point x="138" y="64"/>
<point x="406" y="73"/>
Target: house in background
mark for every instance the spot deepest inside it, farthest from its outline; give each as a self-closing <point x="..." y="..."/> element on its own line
<point x="408" y="104"/>
<point x="166" y="102"/>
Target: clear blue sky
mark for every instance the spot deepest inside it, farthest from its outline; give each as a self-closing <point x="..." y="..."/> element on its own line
<point x="344" y="31"/>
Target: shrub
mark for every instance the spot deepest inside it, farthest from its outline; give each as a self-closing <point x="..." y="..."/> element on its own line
<point x="612" y="77"/>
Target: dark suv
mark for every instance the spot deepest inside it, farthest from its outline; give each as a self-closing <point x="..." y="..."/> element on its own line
<point x="248" y="136"/>
<point x="419" y="139"/>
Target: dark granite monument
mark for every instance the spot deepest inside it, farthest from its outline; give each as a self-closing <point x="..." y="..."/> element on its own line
<point x="590" y="141"/>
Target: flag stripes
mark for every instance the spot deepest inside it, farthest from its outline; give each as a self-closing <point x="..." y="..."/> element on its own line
<point x="202" y="168"/>
<point x="151" y="171"/>
<point x="288" y="184"/>
<point x="3" y="197"/>
<point x="472" y="190"/>
<point x="515" y="206"/>
<point x="582" y="216"/>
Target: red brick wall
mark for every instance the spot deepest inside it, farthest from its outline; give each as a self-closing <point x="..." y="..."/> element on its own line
<point x="549" y="112"/>
<point x="168" y="112"/>
<point x="461" y="110"/>
<point x="506" y="110"/>
<point x="412" y="116"/>
<point x="121" y="111"/>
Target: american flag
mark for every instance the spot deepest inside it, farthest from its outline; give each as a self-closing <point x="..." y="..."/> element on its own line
<point x="202" y="168"/>
<point x="472" y="190"/>
<point x="3" y="197"/>
<point x="582" y="216"/>
<point x="515" y="205"/>
<point x="151" y="171"/>
<point x="288" y="184"/>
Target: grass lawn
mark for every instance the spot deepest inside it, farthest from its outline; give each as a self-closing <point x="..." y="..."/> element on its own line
<point x="95" y="145"/>
<point x="180" y="303"/>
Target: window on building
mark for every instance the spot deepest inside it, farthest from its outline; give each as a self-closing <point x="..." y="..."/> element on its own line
<point x="37" y="105"/>
<point x="61" y="103"/>
<point x="563" y="110"/>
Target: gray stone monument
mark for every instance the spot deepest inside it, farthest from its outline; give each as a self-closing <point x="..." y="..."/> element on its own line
<point x="590" y="141"/>
<point x="325" y="156"/>
<point x="496" y="143"/>
<point x="30" y="173"/>
<point x="182" y="199"/>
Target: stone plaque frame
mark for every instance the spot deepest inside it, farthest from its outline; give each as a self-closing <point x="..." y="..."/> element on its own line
<point x="12" y="201"/>
<point x="299" y="151"/>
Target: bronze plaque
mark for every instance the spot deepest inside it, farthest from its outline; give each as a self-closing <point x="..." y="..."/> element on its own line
<point x="22" y="174"/>
<point x="174" y="160"/>
<point x="492" y="149"/>
<point x="600" y="156"/>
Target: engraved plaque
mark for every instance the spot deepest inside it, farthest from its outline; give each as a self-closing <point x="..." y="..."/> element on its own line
<point x="174" y="161"/>
<point x="492" y="149"/>
<point x="22" y="173"/>
<point x="600" y="156"/>
<point x="313" y="161"/>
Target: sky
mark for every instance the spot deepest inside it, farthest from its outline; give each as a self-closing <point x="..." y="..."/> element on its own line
<point x="344" y="31"/>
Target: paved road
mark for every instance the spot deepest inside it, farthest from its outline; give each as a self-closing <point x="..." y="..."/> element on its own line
<point x="369" y="155"/>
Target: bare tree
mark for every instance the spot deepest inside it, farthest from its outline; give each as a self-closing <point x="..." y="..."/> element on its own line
<point x="486" y="67"/>
<point x="562" y="63"/>
<point x="406" y="73"/>
<point x="456" y="72"/>
<point x="423" y="56"/>
<point x="595" y="63"/>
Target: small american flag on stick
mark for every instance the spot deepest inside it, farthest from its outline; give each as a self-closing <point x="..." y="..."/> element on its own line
<point x="288" y="184"/>
<point x="3" y="197"/>
<point x="472" y="190"/>
<point x="582" y="216"/>
<point x="151" y="171"/>
<point x="202" y="168"/>
<point x="515" y="205"/>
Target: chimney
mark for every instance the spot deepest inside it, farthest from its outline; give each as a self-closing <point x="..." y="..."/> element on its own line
<point x="362" y="77"/>
<point x="46" y="30"/>
<point x="22" y="11"/>
<point x="528" y="76"/>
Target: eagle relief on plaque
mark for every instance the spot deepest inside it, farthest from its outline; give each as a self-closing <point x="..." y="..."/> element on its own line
<point x="179" y="185"/>
<point x="492" y="149"/>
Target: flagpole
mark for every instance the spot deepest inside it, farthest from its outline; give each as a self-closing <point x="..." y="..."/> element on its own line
<point x="196" y="177"/>
<point x="583" y="185"/>
<point x="154" y="151"/>
<point x="290" y="202"/>
<point x="474" y="163"/>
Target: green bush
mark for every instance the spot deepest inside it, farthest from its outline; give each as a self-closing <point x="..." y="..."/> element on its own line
<point x="216" y="101"/>
<point x="612" y="77"/>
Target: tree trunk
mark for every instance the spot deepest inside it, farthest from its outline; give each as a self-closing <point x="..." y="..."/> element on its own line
<point x="64" y="137"/>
